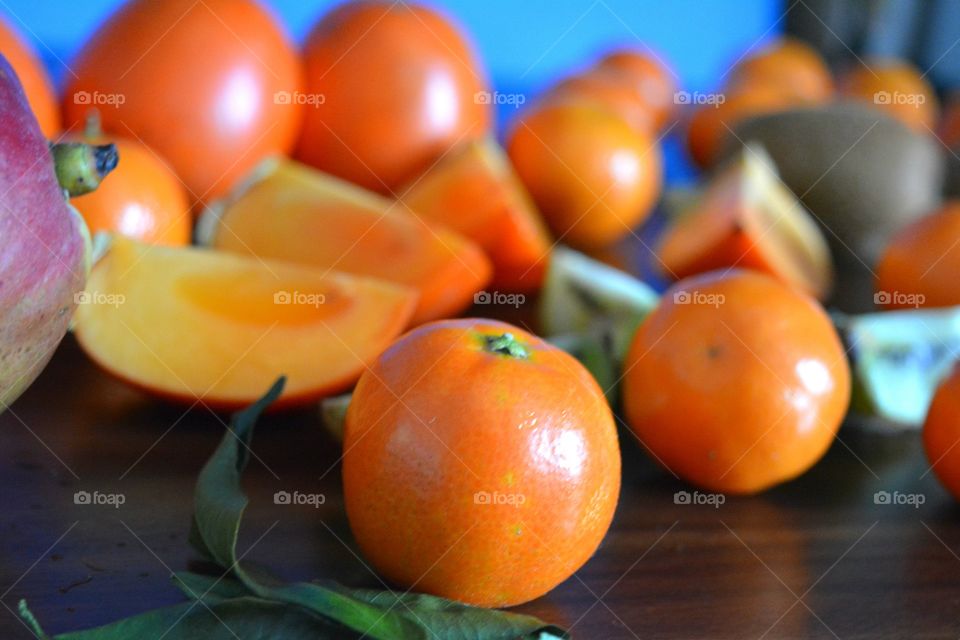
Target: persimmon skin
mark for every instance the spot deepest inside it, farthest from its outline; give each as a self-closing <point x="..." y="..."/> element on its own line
<point x="736" y="382"/>
<point x="898" y="88"/>
<point x="473" y="421"/>
<point x="211" y="86"/>
<point x="593" y="177"/>
<point x="920" y="265"/>
<point x="33" y="76"/>
<point x="142" y="198"/>
<point x="941" y="432"/>
<point x="790" y="65"/>
<point x="650" y="76"/>
<point x="475" y="191"/>
<point x="401" y="86"/>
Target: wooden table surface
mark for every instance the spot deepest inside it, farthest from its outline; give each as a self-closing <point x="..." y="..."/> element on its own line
<point x="816" y="558"/>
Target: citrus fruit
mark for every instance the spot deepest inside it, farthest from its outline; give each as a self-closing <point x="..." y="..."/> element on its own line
<point x="480" y="463"/>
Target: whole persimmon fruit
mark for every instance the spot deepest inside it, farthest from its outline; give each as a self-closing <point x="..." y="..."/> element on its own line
<point x="736" y="382"/>
<point x="400" y="85"/>
<point x="213" y="86"/>
<point x="480" y="463"/>
<point x="790" y="64"/>
<point x="650" y="76"/>
<point x="897" y="87"/>
<point x="142" y="199"/>
<point x="33" y="76"/>
<point x="593" y="176"/>
<point x="919" y="267"/>
<point x="941" y="433"/>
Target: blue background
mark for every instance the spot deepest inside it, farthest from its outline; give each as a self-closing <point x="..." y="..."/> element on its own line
<point x="525" y="44"/>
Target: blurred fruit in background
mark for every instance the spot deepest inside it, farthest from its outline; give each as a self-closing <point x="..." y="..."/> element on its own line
<point x="896" y="87"/>
<point x="650" y="76"/>
<point x="921" y="265"/>
<point x="510" y="487"/>
<point x="790" y="65"/>
<point x="400" y="86"/>
<point x="474" y="191"/>
<point x="593" y="177"/>
<point x="745" y="217"/>
<point x="248" y="320"/>
<point x="290" y="211"/>
<point x="214" y="87"/>
<point x="736" y="382"/>
<point x="863" y="175"/>
<point x="33" y="76"/>
<point x="787" y="73"/>
<point x="941" y="433"/>
<point x="711" y="125"/>
<point x="143" y="198"/>
<point x="608" y="90"/>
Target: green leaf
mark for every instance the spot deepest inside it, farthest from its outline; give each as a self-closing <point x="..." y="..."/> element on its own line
<point x="247" y="618"/>
<point x="454" y="620"/>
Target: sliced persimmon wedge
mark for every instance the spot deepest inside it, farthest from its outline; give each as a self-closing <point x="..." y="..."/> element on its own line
<point x="474" y="191"/>
<point x="189" y="323"/>
<point x="292" y="212"/>
<point x="747" y="218"/>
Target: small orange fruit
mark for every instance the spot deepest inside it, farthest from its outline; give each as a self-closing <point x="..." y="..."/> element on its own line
<point x="941" y="433"/>
<point x="649" y="75"/>
<point x="607" y="90"/>
<point x="898" y="88"/>
<point x="736" y="382"/>
<point x="142" y="199"/>
<point x="791" y="65"/>
<point x="592" y="176"/>
<point x="480" y="463"/>
<point x="920" y="265"/>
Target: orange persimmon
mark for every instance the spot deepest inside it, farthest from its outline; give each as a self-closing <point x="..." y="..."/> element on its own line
<point x="293" y="212"/>
<point x="650" y="76"/>
<point x="193" y="324"/>
<point x="593" y="177"/>
<point x="494" y="478"/>
<point x="896" y="87"/>
<point x="747" y="218"/>
<point x="790" y="65"/>
<point x="608" y="90"/>
<point x="919" y="267"/>
<point x="33" y="76"/>
<point x="474" y="191"/>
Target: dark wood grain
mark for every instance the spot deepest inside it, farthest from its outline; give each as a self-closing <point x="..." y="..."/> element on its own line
<point x="815" y="558"/>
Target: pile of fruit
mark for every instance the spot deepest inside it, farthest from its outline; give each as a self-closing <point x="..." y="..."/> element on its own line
<point x="327" y="214"/>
